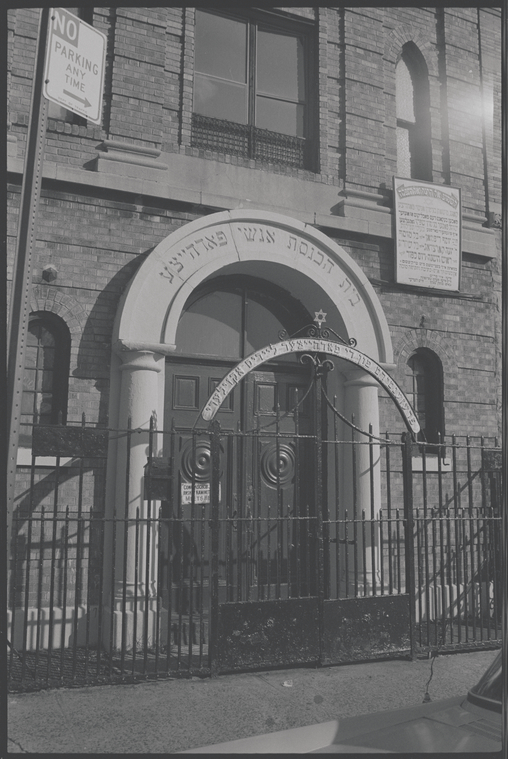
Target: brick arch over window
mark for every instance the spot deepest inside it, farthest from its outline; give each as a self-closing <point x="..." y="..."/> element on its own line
<point x="413" y="339"/>
<point x="53" y="300"/>
<point x="403" y="34"/>
<point x="418" y="340"/>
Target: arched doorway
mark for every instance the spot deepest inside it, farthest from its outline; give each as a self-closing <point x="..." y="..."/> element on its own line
<point x="175" y="281"/>
<point x="266" y="505"/>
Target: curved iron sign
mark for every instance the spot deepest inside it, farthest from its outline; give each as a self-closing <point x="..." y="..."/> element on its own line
<point x="317" y="345"/>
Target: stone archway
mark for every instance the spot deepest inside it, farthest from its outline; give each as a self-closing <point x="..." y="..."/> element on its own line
<point x="147" y="319"/>
<point x="151" y="305"/>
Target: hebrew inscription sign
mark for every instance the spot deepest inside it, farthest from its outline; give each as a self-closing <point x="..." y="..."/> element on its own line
<point x="428" y="234"/>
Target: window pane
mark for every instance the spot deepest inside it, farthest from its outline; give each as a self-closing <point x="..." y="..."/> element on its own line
<point x="45" y="381"/>
<point x="31" y="353"/>
<point x="47" y="338"/>
<point x="27" y="403"/>
<point x="285" y="118"/>
<point x="219" y="99"/>
<point x="211" y="326"/>
<point x="43" y="403"/>
<point x="403" y="153"/>
<point x="221" y="47"/>
<point x="33" y="334"/>
<point x="29" y="379"/>
<point x="262" y="327"/>
<point x="280" y="66"/>
<point x="404" y="93"/>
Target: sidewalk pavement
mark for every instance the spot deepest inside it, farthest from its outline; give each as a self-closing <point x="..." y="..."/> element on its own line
<point x="169" y="716"/>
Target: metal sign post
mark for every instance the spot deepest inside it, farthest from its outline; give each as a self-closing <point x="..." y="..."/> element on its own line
<point x="22" y="271"/>
<point x="504" y="551"/>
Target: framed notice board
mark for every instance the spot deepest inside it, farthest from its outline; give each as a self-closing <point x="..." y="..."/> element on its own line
<point x="428" y="234"/>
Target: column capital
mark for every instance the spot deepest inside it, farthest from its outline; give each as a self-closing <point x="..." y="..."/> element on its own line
<point x="140" y="360"/>
<point x="126" y="346"/>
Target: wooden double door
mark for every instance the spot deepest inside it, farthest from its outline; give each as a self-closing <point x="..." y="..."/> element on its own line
<point x="266" y="547"/>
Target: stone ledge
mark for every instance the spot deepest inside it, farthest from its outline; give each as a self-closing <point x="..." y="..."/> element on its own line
<point x="128" y="154"/>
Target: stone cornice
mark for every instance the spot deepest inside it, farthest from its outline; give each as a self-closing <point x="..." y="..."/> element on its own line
<point x="208" y="184"/>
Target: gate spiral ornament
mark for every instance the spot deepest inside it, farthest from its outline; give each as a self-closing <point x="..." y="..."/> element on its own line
<point x="197" y="460"/>
<point x="278" y="463"/>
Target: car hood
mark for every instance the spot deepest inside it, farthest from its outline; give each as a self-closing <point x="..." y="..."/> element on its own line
<point x="448" y="726"/>
<point x="453" y="725"/>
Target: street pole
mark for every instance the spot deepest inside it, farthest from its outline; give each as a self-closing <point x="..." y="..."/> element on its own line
<point x="23" y="262"/>
<point x="504" y="265"/>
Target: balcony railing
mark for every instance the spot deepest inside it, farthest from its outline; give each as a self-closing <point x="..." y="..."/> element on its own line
<point x="249" y="142"/>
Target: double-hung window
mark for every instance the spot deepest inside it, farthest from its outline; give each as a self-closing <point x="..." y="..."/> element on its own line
<point x="251" y="88"/>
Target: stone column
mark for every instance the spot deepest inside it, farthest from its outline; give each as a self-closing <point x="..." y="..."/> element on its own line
<point x="134" y="589"/>
<point x="362" y="484"/>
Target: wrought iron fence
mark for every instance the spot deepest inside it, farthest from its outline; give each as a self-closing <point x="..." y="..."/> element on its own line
<point x="95" y="596"/>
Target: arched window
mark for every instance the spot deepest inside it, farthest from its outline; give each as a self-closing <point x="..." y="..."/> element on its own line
<point x="424" y="387"/>
<point x="414" y="154"/>
<point x="46" y="377"/>
<point x="234" y="316"/>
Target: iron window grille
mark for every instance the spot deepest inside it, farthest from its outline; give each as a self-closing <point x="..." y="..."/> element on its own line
<point x="248" y="141"/>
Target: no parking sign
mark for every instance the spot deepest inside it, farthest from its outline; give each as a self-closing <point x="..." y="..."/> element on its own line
<point x="74" y="71"/>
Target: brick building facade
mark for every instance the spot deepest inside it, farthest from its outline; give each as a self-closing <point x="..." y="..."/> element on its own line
<point x="171" y="196"/>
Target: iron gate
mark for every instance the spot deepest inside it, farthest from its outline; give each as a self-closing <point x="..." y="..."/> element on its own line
<point x="272" y="550"/>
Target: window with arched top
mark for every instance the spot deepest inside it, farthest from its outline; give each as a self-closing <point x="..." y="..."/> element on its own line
<point x="414" y="154"/>
<point x="231" y="317"/>
<point x="46" y="375"/>
<point x="424" y="388"/>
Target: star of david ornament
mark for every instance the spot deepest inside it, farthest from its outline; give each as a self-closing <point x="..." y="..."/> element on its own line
<point x="320" y="317"/>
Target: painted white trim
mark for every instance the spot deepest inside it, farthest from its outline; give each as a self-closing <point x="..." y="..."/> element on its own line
<point x="25" y="459"/>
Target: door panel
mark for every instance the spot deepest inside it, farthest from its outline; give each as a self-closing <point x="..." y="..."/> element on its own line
<point x="184" y="552"/>
<point x="266" y="513"/>
<point x="280" y="479"/>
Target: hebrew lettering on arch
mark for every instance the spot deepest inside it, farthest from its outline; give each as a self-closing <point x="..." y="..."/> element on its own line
<point x="319" y="253"/>
<point x="167" y="274"/>
<point x="292" y="242"/>
<point x="249" y="233"/>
